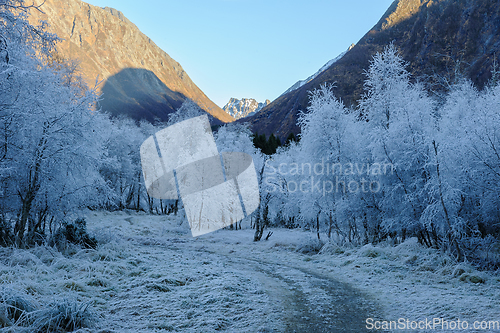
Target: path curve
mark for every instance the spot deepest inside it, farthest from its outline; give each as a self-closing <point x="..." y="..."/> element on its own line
<point x="310" y="301"/>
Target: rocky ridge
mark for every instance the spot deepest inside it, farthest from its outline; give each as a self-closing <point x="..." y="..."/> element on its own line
<point x="240" y="108"/>
<point x="437" y="38"/>
<point x="112" y="50"/>
<point x="300" y="83"/>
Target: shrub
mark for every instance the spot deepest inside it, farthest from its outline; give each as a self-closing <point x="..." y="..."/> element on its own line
<point x="476" y="279"/>
<point x="6" y="232"/>
<point x="370" y="251"/>
<point x="74" y="233"/>
<point x="310" y="246"/>
<point x="331" y="248"/>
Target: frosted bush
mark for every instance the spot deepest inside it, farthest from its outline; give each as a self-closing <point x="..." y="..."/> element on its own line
<point x="461" y="268"/>
<point x="331" y="248"/>
<point x="410" y="245"/>
<point x="24" y="258"/>
<point x="46" y="254"/>
<point x="310" y="246"/>
<point x="371" y="251"/>
<point x="67" y="315"/>
<point x="70" y="234"/>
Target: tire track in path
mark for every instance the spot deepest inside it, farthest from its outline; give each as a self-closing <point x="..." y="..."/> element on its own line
<point x="308" y="301"/>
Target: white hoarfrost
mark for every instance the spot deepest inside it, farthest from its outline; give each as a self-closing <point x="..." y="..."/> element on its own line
<point x="148" y="274"/>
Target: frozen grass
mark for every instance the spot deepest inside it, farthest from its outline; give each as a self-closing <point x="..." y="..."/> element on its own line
<point x="149" y="275"/>
<point x="414" y="282"/>
<point x="15" y="307"/>
<point x="66" y="315"/>
<point x="20" y="312"/>
<point x="139" y="279"/>
<point x="408" y="281"/>
<point x="310" y="246"/>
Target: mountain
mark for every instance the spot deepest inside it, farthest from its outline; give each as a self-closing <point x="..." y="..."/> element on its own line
<point x="245" y="107"/>
<point x="300" y="83"/>
<point x="435" y="37"/>
<point x="138" y="78"/>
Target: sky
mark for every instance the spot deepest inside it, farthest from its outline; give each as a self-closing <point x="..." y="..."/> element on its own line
<point x="251" y="48"/>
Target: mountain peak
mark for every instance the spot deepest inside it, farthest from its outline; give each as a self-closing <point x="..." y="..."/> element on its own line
<point x="438" y="39"/>
<point x="116" y="13"/>
<point x="240" y="108"/>
<point x="140" y="80"/>
<point x="399" y="11"/>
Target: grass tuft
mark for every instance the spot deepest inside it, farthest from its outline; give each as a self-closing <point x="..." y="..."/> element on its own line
<point x="66" y="315"/>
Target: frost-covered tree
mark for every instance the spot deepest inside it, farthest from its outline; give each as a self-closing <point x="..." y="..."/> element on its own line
<point x="17" y="35"/>
<point x="400" y="128"/>
<point x="386" y="81"/>
<point x="236" y="137"/>
<point x="52" y="138"/>
<point x="466" y="153"/>
<point x="323" y="145"/>
<point x="429" y="170"/>
<point x="188" y="110"/>
<point x="282" y="201"/>
<point x="123" y="169"/>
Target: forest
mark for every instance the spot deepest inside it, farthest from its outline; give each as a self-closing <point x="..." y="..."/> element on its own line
<point x="405" y="162"/>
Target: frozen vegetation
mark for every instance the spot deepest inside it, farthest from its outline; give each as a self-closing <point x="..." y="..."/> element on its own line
<point x="388" y="210"/>
<point x="148" y="274"/>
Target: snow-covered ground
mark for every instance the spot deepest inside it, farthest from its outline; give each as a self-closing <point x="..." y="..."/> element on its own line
<point x="150" y="275"/>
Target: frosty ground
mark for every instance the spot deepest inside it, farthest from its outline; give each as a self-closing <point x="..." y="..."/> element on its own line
<point x="148" y="274"/>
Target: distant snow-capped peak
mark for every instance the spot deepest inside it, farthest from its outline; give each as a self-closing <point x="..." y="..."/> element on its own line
<point x="239" y="108"/>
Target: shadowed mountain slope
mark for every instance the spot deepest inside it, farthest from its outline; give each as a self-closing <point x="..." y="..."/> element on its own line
<point x="105" y="43"/>
<point x="435" y="37"/>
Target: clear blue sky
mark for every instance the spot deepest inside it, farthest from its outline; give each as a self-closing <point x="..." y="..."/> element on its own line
<point x="251" y="48"/>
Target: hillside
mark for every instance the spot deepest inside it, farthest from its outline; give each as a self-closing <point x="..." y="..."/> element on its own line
<point x="138" y="78"/>
<point x="435" y="37"/>
<point x="300" y="83"/>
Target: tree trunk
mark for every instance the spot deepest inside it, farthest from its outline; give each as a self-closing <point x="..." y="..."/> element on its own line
<point x="451" y="238"/>
<point x="138" y="194"/>
<point x="33" y="187"/>
<point x="259" y="228"/>
<point x="317" y="226"/>
<point x="330" y="226"/>
<point x="20" y="227"/>
<point x="365" y="226"/>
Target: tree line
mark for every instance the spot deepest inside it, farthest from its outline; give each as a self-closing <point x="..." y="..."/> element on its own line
<point x="60" y="154"/>
<point x="403" y="163"/>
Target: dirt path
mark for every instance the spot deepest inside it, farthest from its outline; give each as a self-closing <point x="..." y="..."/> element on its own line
<point x="169" y="281"/>
<point x="309" y="301"/>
